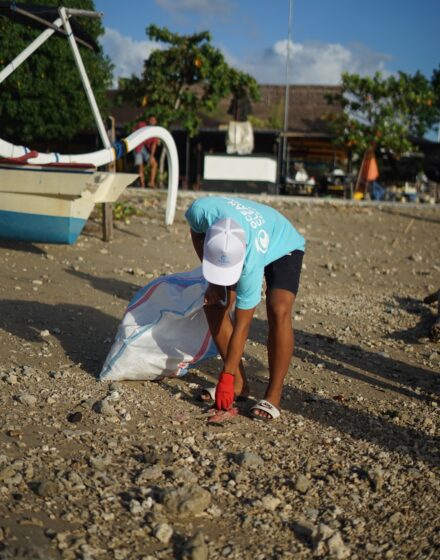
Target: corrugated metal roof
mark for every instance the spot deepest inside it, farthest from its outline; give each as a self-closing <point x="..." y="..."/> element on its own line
<point x="308" y="110"/>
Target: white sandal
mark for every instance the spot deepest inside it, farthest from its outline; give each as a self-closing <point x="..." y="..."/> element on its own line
<point x="267" y="407"/>
<point x="207" y="391"/>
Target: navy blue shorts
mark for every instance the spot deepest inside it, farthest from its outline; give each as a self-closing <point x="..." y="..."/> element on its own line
<point x="284" y="273"/>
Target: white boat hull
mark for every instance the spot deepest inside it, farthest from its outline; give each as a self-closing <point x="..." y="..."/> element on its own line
<point x="34" y="161"/>
<point x="52" y="205"/>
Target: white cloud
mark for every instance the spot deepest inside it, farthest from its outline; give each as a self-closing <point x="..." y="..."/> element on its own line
<point x="312" y="62"/>
<point x="126" y="54"/>
<point x="200" y="6"/>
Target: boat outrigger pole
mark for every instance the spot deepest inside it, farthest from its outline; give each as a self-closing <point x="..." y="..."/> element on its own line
<point x="26" y="53"/>
<point x="65" y="14"/>
<point x="57" y="25"/>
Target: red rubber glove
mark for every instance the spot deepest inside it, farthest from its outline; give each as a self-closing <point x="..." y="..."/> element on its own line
<point x="224" y="392"/>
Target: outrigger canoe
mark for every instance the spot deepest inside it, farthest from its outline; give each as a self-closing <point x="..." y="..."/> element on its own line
<point x="48" y="197"/>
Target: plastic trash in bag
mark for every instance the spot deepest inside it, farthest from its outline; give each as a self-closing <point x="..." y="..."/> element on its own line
<point x="164" y="331"/>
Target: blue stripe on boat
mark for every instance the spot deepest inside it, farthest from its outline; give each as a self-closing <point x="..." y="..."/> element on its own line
<point x="38" y="228"/>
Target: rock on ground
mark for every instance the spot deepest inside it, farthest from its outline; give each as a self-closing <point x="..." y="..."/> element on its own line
<point x="93" y="470"/>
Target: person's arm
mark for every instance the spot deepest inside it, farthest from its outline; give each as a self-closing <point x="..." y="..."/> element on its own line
<point x="243" y="320"/>
<point x="198" y="240"/>
<point x="224" y="393"/>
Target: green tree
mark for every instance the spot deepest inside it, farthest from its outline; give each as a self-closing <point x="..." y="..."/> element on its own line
<point x="44" y="98"/>
<point x="383" y="112"/>
<point x="435" y="82"/>
<point x="185" y="79"/>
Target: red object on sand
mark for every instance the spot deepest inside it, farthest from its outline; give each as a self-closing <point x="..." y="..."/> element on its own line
<point x="220" y="416"/>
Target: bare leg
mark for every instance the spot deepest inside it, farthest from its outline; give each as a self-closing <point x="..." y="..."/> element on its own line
<point x="141" y="175"/>
<point x="221" y="328"/>
<point x="280" y="342"/>
<point x="153" y="172"/>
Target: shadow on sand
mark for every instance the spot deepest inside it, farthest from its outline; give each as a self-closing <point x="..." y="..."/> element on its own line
<point x="418" y="217"/>
<point x="119" y="288"/>
<point x="84" y="333"/>
<point x="426" y="315"/>
<point x="352" y="361"/>
<point x="22" y="246"/>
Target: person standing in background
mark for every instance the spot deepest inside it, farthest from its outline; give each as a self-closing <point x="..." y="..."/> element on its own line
<point x="145" y="154"/>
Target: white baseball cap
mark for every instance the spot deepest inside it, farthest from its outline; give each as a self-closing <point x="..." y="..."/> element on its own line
<point x="223" y="252"/>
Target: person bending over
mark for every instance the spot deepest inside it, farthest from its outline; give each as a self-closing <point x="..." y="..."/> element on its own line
<point x="239" y="242"/>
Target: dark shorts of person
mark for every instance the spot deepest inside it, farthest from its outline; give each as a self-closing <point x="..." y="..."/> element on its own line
<point x="284" y="273"/>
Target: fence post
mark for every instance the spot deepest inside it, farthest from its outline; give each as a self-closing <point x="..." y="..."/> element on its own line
<point x="107" y="209"/>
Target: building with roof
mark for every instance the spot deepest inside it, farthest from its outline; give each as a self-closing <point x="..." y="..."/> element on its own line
<point x="308" y="135"/>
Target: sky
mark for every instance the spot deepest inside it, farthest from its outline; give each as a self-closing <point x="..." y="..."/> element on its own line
<point x="328" y="37"/>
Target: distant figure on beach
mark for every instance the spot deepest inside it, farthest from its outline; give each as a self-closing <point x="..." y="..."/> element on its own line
<point x="240" y="243"/>
<point x="145" y="154"/>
